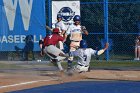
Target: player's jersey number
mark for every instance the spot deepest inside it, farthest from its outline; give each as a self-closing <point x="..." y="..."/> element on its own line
<point x="50" y="36"/>
<point x="85" y="57"/>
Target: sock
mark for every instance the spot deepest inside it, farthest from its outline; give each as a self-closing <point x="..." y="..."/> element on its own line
<point x="69" y="64"/>
<point x="60" y="66"/>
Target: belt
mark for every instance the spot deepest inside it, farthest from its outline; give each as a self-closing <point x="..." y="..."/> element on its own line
<point x="49" y="45"/>
<point x="75" y="41"/>
<point x="83" y="65"/>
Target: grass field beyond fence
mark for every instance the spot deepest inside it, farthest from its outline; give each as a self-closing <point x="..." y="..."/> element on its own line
<point x="93" y="64"/>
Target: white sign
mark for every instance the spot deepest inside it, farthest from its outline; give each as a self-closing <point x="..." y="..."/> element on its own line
<point x="68" y="9"/>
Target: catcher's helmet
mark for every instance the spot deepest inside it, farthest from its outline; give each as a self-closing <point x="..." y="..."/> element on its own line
<point x="59" y="16"/>
<point x="83" y="44"/>
<point x="56" y="30"/>
<point x="76" y="18"/>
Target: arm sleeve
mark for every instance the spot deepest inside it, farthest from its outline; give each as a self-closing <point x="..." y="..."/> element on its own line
<point x="63" y="27"/>
<point x="60" y="38"/>
<point x="68" y="30"/>
<point x="93" y="52"/>
<point x="45" y="41"/>
<point x="75" y="53"/>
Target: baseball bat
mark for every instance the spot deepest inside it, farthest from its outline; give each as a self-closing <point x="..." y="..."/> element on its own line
<point x="49" y="28"/>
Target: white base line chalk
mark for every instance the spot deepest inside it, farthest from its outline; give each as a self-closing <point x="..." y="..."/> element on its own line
<point x="25" y="83"/>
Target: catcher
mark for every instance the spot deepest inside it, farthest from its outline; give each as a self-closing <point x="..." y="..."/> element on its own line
<point x="51" y="50"/>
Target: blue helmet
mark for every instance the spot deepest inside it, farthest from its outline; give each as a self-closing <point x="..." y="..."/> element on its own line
<point x="59" y="16"/>
<point x="83" y="44"/>
<point x="76" y="18"/>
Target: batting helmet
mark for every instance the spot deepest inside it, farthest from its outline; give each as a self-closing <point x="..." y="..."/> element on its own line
<point x="59" y="16"/>
<point x="56" y="30"/>
<point x="83" y="44"/>
<point x="76" y="18"/>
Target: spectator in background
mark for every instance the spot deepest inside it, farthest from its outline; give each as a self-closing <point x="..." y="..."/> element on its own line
<point x="137" y="48"/>
<point x="28" y="48"/>
<point x="41" y="45"/>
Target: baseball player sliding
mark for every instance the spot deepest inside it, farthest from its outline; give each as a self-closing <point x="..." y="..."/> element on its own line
<point x="84" y="56"/>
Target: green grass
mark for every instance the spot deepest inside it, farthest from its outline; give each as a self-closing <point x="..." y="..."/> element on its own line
<point x="10" y="66"/>
<point x="114" y="64"/>
<point x="108" y="64"/>
<point x="93" y="64"/>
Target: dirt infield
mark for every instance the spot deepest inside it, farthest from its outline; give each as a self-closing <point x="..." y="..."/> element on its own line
<point x="24" y="75"/>
<point x="30" y="79"/>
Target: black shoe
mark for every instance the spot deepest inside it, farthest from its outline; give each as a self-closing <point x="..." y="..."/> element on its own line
<point x="89" y="69"/>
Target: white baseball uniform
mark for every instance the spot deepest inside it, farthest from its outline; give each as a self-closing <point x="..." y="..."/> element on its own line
<point x="84" y="58"/>
<point x="61" y="27"/>
<point x="75" y="36"/>
<point x="84" y="55"/>
<point x="75" y="32"/>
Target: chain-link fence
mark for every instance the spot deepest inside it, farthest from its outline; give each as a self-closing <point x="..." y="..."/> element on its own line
<point x="123" y="27"/>
<point x="123" y="21"/>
